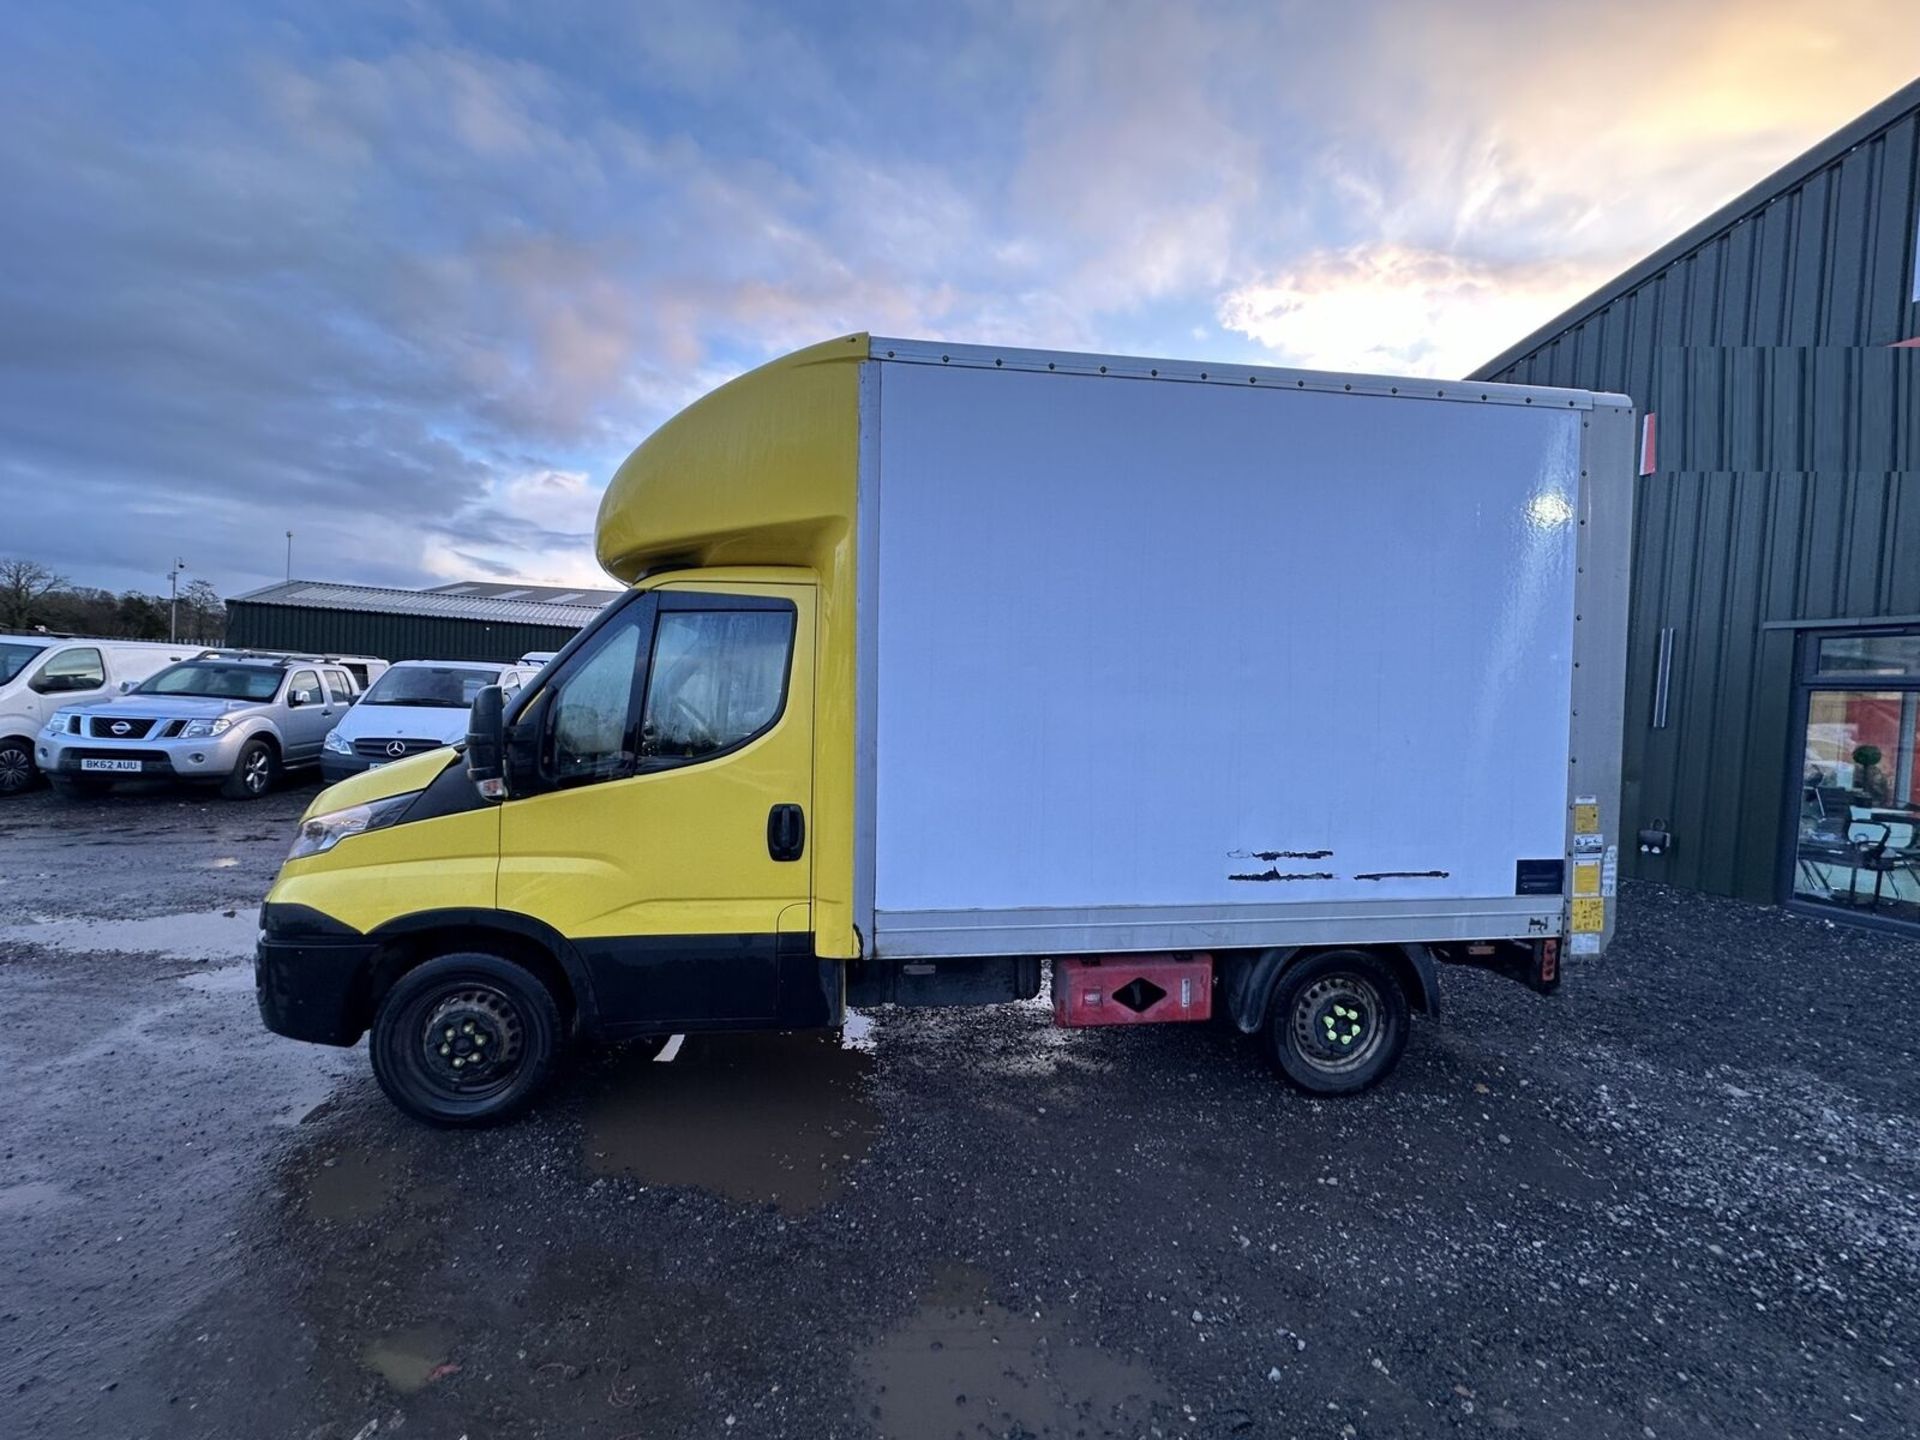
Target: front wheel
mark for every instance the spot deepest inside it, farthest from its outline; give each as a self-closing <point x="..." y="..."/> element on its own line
<point x="253" y="773"/>
<point x="16" y="766"/>
<point x="464" y="1040"/>
<point x="1337" y="1022"/>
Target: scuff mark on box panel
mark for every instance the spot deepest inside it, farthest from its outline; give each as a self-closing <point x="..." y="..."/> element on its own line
<point x="1270" y="873"/>
<point x="1402" y="875"/>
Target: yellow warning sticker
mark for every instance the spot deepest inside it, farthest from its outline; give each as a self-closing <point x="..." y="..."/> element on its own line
<point x="1589" y="916"/>
<point x="1586" y="817"/>
<point x="1586" y="877"/>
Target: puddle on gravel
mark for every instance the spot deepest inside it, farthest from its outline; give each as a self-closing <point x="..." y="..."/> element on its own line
<point x="350" y="1185"/>
<point x="219" y="981"/>
<point x="32" y="1197"/>
<point x="766" y="1118"/>
<point x="227" y="934"/>
<point x="409" y="1360"/>
<point x="962" y="1365"/>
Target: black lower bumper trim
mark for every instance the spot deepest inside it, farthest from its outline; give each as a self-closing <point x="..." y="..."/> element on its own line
<point x="313" y="987"/>
<point x="335" y="768"/>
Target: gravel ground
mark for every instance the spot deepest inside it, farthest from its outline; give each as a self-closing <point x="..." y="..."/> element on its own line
<point x="1677" y="1199"/>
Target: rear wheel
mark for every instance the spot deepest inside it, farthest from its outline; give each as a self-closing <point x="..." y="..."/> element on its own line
<point x="253" y="773"/>
<point x="16" y="766"/>
<point x="1337" y="1022"/>
<point x="464" y="1040"/>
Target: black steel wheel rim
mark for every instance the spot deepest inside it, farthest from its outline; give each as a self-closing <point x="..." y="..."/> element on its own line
<point x="471" y="1040"/>
<point x="1338" y="1023"/>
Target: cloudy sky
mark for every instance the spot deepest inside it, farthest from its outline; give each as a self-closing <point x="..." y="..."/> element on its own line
<point x="409" y="279"/>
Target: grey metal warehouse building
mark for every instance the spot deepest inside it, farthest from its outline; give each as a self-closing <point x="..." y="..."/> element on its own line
<point x="462" y="621"/>
<point x="1774" y="665"/>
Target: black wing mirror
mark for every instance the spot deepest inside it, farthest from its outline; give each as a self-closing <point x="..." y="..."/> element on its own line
<point x="486" y="743"/>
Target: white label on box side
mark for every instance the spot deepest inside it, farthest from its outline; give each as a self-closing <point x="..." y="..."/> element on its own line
<point x="1610" y="871"/>
<point x="1584" y="944"/>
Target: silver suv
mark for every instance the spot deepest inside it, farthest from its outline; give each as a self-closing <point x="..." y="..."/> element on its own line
<point x="233" y="716"/>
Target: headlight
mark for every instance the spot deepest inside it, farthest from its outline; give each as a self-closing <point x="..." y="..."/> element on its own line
<point x="337" y="743"/>
<point x="60" y="724"/>
<point x="201" y="729"/>
<point x="321" y="833"/>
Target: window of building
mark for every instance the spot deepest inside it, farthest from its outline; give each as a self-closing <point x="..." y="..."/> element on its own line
<point x="1857" y="843"/>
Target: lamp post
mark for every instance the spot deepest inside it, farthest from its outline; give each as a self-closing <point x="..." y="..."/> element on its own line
<point x="173" y="600"/>
<point x="289" y="557"/>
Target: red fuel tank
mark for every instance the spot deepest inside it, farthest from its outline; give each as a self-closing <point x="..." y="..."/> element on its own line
<point x="1132" y="989"/>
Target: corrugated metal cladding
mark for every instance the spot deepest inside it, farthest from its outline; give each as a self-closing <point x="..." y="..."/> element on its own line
<point x="388" y="636"/>
<point x="1787" y="487"/>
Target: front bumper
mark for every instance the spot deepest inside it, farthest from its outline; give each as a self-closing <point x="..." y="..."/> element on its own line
<point x="208" y="758"/>
<point x="310" y="976"/>
<point x="336" y="767"/>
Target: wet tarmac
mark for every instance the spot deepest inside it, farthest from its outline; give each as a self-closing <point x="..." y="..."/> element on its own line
<point x="1679" y="1199"/>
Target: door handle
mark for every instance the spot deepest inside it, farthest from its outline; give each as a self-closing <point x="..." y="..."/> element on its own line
<point x="786" y="832"/>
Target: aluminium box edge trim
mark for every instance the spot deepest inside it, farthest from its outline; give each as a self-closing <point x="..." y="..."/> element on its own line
<point x="1236" y="374"/>
<point x="1602" y="594"/>
<point x="935" y="934"/>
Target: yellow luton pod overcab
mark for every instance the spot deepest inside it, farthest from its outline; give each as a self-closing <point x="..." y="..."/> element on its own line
<point x="949" y="673"/>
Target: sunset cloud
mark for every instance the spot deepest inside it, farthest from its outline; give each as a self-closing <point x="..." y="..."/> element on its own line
<point x="411" y="284"/>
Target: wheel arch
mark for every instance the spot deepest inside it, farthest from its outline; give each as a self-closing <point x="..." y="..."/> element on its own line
<point x="412" y="940"/>
<point x="1247" y="977"/>
<point x="262" y="729"/>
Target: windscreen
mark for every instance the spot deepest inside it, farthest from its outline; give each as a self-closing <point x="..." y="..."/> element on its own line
<point x="440" y="687"/>
<point x="215" y="681"/>
<point x="14" y="657"/>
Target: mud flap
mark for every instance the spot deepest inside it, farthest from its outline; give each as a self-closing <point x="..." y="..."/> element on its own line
<point x="1534" y="963"/>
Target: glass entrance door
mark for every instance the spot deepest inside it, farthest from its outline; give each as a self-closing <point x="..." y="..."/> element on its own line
<point x="1857" y="844"/>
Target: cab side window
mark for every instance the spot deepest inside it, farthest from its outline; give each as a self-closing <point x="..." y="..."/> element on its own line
<point x="70" y="671"/>
<point x="718" y="678"/>
<point x="590" y="720"/>
<point x="340" y="686"/>
<point x="304" y="688"/>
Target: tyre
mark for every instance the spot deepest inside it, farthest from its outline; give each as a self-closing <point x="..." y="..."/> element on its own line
<point x="464" y="1040"/>
<point x="253" y="773"/>
<point x="16" y="766"/>
<point x="1337" y="1022"/>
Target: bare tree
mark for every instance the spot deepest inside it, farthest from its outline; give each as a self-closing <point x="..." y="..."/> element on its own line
<point x="23" y="583"/>
<point x="203" y="614"/>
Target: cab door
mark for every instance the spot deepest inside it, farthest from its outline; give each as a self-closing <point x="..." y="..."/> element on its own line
<point x="670" y="765"/>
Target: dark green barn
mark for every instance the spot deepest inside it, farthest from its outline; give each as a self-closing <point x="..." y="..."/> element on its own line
<point x="1774" y="662"/>
<point x="470" y="621"/>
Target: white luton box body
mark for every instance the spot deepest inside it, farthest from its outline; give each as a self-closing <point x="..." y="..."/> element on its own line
<point x="1156" y="656"/>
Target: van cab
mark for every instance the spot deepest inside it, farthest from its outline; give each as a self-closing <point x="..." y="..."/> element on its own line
<point x="40" y="673"/>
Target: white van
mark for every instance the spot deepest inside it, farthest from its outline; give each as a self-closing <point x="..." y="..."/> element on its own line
<point x="415" y="705"/>
<point x="40" y="673"/>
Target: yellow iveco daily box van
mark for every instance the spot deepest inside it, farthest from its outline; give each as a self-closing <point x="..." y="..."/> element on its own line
<point x="945" y="671"/>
